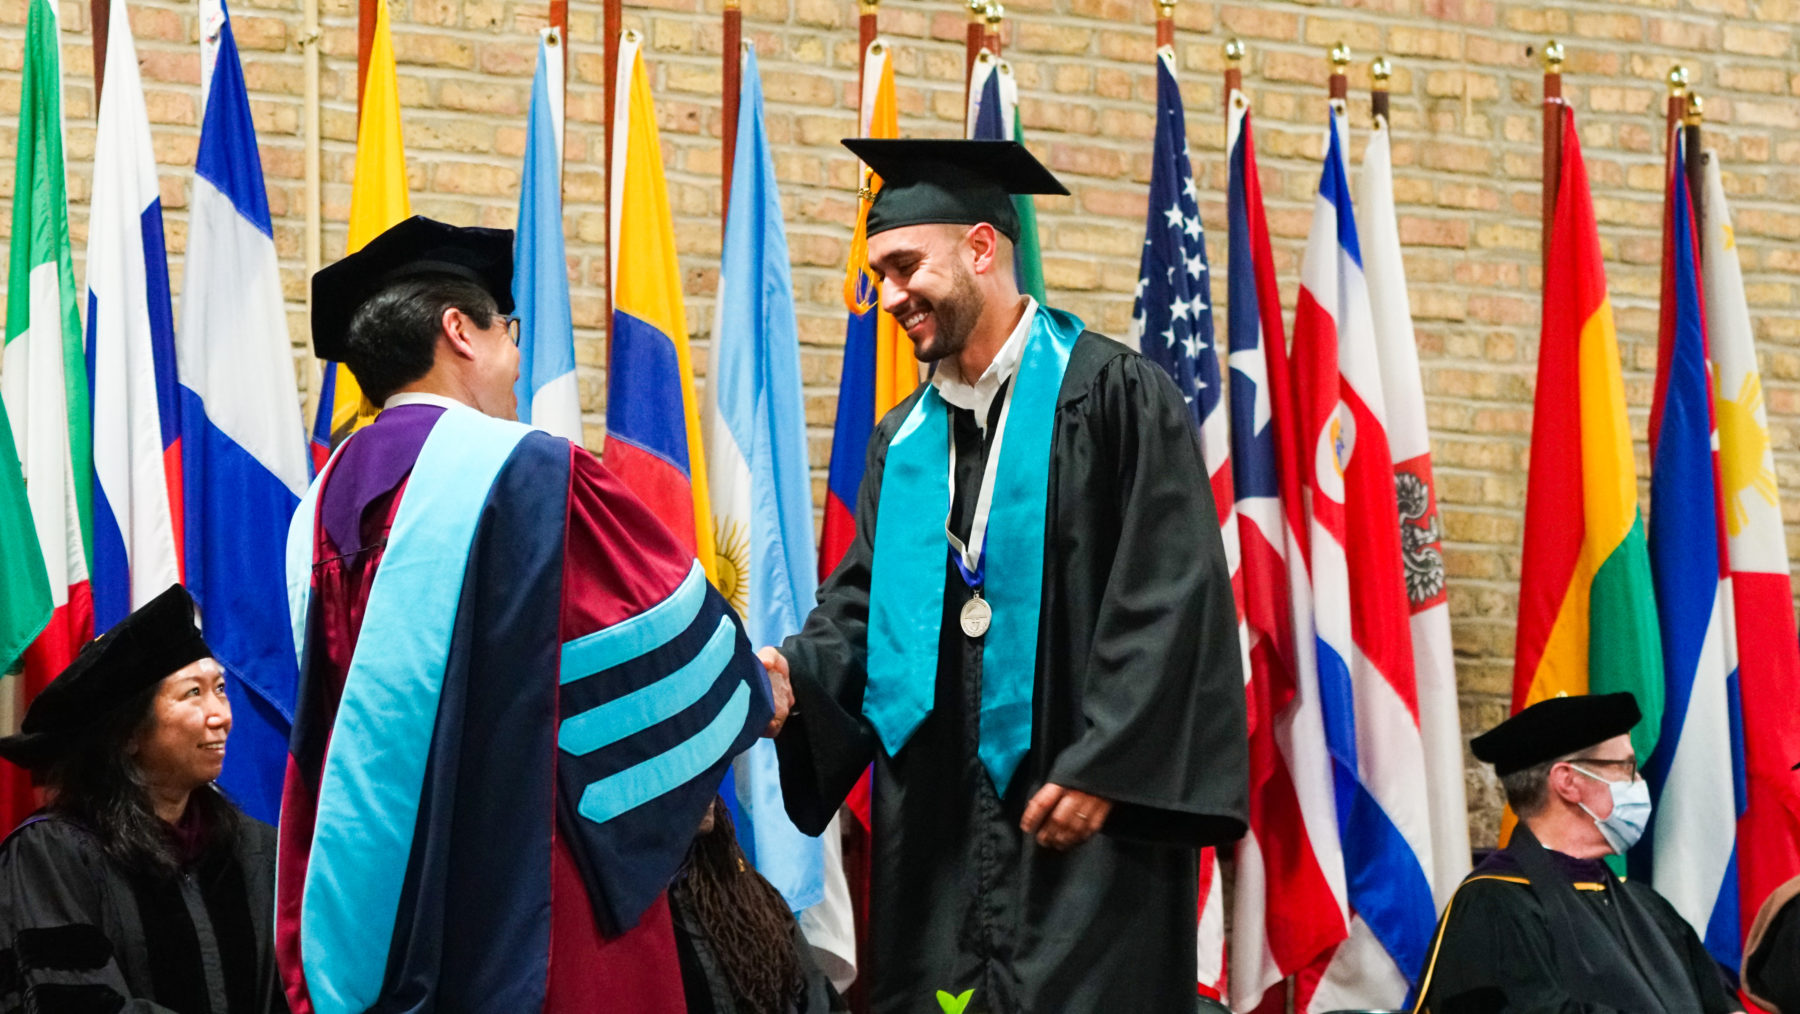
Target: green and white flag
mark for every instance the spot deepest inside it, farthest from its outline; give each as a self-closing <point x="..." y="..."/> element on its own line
<point x="24" y="587"/>
<point x="44" y="378"/>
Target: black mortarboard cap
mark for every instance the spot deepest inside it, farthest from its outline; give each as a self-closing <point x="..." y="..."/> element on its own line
<point x="416" y="247"/>
<point x="156" y="640"/>
<point x="928" y="182"/>
<point x="1555" y="728"/>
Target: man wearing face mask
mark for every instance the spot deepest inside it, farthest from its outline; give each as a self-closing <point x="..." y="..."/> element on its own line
<point x="1543" y="925"/>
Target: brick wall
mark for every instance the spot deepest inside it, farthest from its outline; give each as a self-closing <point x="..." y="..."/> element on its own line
<point x="1466" y="119"/>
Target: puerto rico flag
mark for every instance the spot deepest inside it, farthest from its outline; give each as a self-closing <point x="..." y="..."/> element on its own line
<point x="1361" y="618"/>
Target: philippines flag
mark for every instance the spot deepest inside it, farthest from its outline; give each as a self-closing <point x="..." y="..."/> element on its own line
<point x="547" y="393"/>
<point x="244" y="460"/>
<point x="130" y="353"/>
<point x="1288" y="898"/>
<point x="1696" y="771"/>
<point x="1761" y="591"/>
<point x="1361" y="619"/>
<point x="1172" y="325"/>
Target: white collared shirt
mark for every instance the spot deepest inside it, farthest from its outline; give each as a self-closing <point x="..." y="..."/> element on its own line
<point x="979" y="396"/>
<point x="422" y="398"/>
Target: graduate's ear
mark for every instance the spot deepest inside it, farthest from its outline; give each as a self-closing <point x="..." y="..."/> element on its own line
<point x="984" y="244"/>
<point x="458" y="330"/>
<point x="1564" y="783"/>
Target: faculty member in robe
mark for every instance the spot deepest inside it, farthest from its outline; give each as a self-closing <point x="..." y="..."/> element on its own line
<point x="1032" y="636"/>
<point x="518" y="693"/>
<point x="1543" y="925"/>
<point x="1771" y="975"/>
<point x="139" y="887"/>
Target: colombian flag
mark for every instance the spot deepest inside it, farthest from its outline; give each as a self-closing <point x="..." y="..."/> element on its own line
<point x="378" y="200"/>
<point x="879" y="368"/>
<point x="652" y="422"/>
<point x="1587" y="611"/>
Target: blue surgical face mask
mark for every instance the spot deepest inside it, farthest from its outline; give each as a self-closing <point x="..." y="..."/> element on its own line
<point x="1630" y="811"/>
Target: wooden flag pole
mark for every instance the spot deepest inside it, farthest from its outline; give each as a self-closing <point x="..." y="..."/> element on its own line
<point x="365" y="42"/>
<point x="1165" y="23"/>
<point x="1379" y="72"/>
<point x="992" y="15"/>
<point x="1696" y="167"/>
<point x="1674" y="112"/>
<point x="1234" y="74"/>
<point x="612" y="21"/>
<point x="977" y="33"/>
<point x="1553" y="110"/>
<point x="559" y="20"/>
<point x="733" y="57"/>
<point x="101" y="13"/>
<point x="1340" y="85"/>
<point x="868" y="12"/>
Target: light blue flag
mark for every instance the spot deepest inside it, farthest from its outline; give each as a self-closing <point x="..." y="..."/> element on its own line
<point x="548" y="396"/>
<point x="759" y="473"/>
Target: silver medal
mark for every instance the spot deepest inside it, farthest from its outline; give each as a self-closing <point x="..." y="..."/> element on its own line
<point x="977" y="615"/>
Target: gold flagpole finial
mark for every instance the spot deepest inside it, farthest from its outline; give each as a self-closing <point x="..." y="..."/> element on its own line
<point x="1553" y="57"/>
<point x="977" y="10"/>
<point x="1234" y="51"/>
<point x="1380" y="70"/>
<point x="1340" y="56"/>
<point x="1678" y="80"/>
<point x="1165" y="8"/>
<point x="994" y="13"/>
<point x="868" y="6"/>
<point x="1696" y="110"/>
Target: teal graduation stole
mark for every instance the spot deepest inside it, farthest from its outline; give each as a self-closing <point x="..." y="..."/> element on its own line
<point x="906" y="580"/>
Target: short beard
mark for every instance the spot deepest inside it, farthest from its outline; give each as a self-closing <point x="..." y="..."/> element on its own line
<point x="956" y="315"/>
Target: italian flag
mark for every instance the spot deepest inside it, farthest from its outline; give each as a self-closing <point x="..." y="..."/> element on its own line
<point x="1587" y="611"/>
<point x="45" y="389"/>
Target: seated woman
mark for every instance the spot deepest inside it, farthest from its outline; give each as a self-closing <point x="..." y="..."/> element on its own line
<point x="741" y="950"/>
<point x="138" y="887"/>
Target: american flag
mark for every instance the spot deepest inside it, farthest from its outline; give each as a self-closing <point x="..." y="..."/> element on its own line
<point x="1173" y="325"/>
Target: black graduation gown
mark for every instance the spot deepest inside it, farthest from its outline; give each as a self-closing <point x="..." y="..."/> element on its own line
<point x="79" y="933"/>
<point x="1557" y="935"/>
<point x="1772" y="968"/>
<point x="1138" y="699"/>
<point x="707" y="985"/>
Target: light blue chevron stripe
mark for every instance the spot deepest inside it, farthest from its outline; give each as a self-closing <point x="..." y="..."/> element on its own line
<point x="613" y="795"/>
<point x="658" y="702"/>
<point x="643" y="633"/>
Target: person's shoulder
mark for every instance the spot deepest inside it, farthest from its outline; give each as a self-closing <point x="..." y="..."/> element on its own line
<point x="891" y="420"/>
<point x="46" y="835"/>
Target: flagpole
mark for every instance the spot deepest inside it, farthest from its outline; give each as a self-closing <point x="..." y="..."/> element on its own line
<point x="1696" y="168"/>
<point x="1340" y="85"/>
<point x="314" y="173"/>
<point x="365" y="42"/>
<point x="993" y="14"/>
<point x="977" y="31"/>
<point x="1553" y="103"/>
<point x="1674" y="111"/>
<point x="612" y="20"/>
<point x="1165" y="26"/>
<point x="101" y="13"/>
<point x="1234" y="73"/>
<point x="734" y="87"/>
<point x="1379" y="72"/>
<point x="865" y="34"/>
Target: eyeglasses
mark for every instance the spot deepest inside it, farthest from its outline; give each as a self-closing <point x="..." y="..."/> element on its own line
<point x="1631" y="766"/>
<point x="513" y="328"/>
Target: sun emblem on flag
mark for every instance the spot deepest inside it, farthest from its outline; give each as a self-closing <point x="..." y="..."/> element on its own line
<point x="732" y="546"/>
<point x="1744" y="454"/>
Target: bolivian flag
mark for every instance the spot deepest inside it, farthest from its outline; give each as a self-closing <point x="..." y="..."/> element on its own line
<point x="378" y="200"/>
<point x="652" y="420"/>
<point x="1587" y="611"/>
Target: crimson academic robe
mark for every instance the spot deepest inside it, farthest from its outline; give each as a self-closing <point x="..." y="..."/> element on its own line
<point x="517" y="698"/>
<point x="1139" y="698"/>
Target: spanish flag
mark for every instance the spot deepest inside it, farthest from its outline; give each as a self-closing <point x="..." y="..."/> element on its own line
<point x="652" y="420"/>
<point x="378" y="200"/>
<point x="1587" y="610"/>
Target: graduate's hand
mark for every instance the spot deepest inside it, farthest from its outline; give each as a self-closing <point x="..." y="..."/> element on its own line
<point x="1063" y="818"/>
<point x="781" y="689"/>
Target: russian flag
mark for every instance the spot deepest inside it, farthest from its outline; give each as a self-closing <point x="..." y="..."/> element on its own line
<point x="1361" y="617"/>
<point x="1288" y="902"/>
<point x="1696" y="771"/>
<point x="548" y="396"/>
<point x="244" y="459"/>
<point x="130" y="353"/>
<point x="652" y="421"/>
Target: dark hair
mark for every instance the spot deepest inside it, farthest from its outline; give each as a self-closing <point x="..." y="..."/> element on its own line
<point x="393" y="337"/>
<point x="744" y="917"/>
<point x="1528" y="789"/>
<point x="96" y="783"/>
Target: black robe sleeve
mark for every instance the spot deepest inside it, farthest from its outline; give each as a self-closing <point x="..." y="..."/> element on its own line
<point x="55" y="951"/>
<point x="826" y="744"/>
<point x="1772" y="971"/>
<point x="1160" y="693"/>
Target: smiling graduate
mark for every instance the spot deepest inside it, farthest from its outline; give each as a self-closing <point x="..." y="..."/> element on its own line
<point x="1032" y="636"/>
